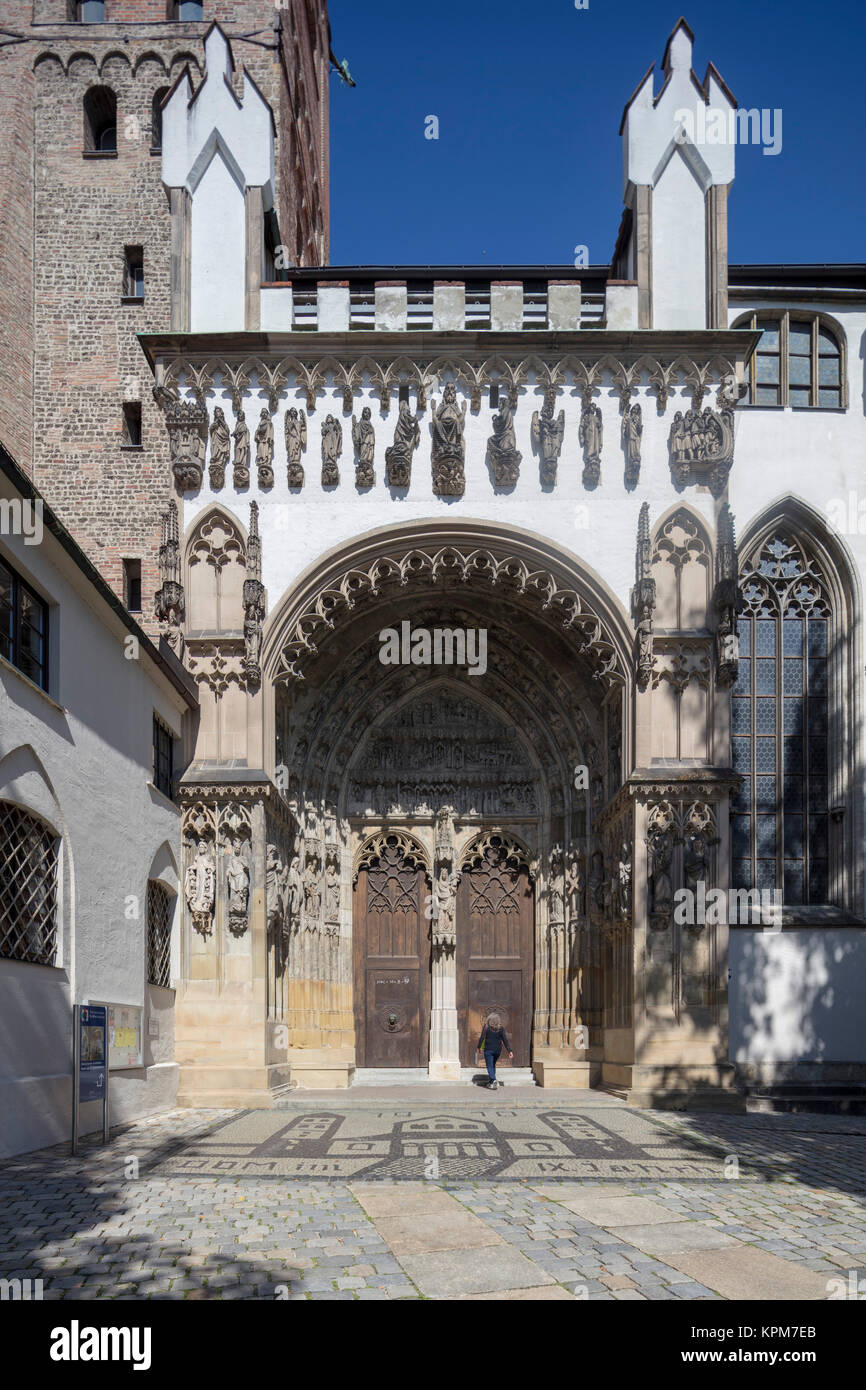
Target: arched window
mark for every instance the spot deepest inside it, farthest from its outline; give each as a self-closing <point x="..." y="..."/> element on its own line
<point x="799" y="361"/>
<point x="783" y="719"/>
<point x="28" y="887"/>
<point x="156" y="118"/>
<point x="160" y="910"/>
<point x="100" y="121"/>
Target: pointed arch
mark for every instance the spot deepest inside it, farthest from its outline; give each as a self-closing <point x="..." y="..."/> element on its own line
<point x="682" y="567"/>
<point x="215" y="562"/>
<point x="796" y="711"/>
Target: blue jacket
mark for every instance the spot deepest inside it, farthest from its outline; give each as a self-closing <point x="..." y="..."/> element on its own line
<point x="493" y="1040"/>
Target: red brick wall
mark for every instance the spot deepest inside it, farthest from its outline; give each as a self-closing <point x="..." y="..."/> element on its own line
<point x="62" y="244"/>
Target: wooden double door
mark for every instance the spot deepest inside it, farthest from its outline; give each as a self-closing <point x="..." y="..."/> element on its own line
<point x="392" y="953"/>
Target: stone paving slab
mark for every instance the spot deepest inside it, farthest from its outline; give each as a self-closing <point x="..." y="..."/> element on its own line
<point x="617" y="1211"/>
<point x="670" y="1236"/>
<point x="790" y="1190"/>
<point x="452" y="1273"/>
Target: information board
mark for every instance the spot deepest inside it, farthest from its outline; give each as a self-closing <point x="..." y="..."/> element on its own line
<point x="124" y="1036"/>
<point x="92" y="1024"/>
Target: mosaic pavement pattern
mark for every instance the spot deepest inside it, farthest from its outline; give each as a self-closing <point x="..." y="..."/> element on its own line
<point x="777" y="1210"/>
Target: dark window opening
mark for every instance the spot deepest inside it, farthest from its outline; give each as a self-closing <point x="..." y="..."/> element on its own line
<point x="100" y="121"/>
<point x="87" y="11"/>
<point x="132" y="585"/>
<point x="132" y="425"/>
<point x="163" y="757"/>
<point x="403" y="392"/>
<point x="156" y="118"/>
<point x="23" y="627"/>
<point x="494" y="394"/>
<point x="186" y="9"/>
<point x="133" y="272"/>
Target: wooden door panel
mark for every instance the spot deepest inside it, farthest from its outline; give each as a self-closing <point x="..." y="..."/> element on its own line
<point x="495" y="927"/>
<point x="391" y="960"/>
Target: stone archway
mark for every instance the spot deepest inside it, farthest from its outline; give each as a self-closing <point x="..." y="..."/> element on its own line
<point x="531" y="748"/>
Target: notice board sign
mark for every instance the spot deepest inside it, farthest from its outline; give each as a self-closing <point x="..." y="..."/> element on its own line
<point x="92" y="1051"/>
<point x="124" y="1036"/>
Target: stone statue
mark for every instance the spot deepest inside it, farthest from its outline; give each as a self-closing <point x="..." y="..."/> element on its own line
<point x="574" y="887"/>
<point x="661" y="899"/>
<point x="186" y="422"/>
<point x="449" y="446"/>
<point x="265" y="449"/>
<point x="503" y="457"/>
<point x="596" y="880"/>
<point x="220" y="447"/>
<point x="364" y="440"/>
<point x="296" y="444"/>
<point x="624" y="879"/>
<point x="695" y="863"/>
<point x="332" y="898"/>
<point x="241" y="437"/>
<point x="547" y="436"/>
<point x="444" y="931"/>
<point x="312" y="894"/>
<point x="332" y="448"/>
<point x="275" y="897"/>
<point x="237" y="888"/>
<point x="398" y="458"/>
<point x="590" y="436"/>
<point x="200" y="888"/>
<point x="556" y="889"/>
<point x="631" y="432"/>
<point x="294" y="894"/>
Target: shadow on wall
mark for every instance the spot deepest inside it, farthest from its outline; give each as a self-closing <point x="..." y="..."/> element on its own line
<point x="35" y="1056"/>
<point x="796" y="996"/>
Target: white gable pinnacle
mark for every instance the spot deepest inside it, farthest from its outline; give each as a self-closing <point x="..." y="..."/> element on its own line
<point x="654" y="127"/>
<point x="213" y="119"/>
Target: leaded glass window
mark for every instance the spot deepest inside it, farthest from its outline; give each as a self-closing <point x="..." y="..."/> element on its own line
<point x="28" y="887"/>
<point x="798" y="362"/>
<point x="780" y="724"/>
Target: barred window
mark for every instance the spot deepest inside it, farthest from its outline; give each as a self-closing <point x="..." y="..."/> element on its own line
<point x="28" y="887"/>
<point x="780" y="724"/>
<point x="159" y="915"/>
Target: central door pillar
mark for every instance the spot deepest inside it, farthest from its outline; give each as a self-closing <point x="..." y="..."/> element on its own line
<point x="444" y="1062"/>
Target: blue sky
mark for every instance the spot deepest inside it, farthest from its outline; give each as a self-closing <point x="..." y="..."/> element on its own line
<point x="529" y="98"/>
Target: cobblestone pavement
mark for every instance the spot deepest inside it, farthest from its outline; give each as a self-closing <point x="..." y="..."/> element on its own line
<point x="748" y="1207"/>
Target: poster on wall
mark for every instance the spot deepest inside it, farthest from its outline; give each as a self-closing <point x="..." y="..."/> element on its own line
<point x="91" y="1054"/>
<point x="124" y="1036"/>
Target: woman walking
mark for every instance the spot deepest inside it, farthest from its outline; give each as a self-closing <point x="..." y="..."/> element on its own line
<point x="490" y="1044"/>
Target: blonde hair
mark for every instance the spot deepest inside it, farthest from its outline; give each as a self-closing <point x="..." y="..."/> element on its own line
<point x="494" y="1021"/>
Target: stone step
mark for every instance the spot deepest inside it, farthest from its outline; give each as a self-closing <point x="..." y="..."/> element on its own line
<point x="419" y="1076"/>
<point x="793" y="1100"/>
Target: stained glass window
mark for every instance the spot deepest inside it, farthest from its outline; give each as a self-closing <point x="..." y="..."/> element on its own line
<point x="779" y="726"/>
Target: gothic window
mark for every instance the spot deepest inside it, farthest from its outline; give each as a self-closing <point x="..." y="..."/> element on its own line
<point x="160" y="904"/>
<point x="100" y="121"/>
<point x="23" y="627"/>
<point x="780" y="725"/>
<point x="799" y="361"/>
<point x="28" y="887"/>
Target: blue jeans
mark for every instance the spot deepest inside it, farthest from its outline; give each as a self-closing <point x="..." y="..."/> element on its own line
<point x="490" y="1060"/>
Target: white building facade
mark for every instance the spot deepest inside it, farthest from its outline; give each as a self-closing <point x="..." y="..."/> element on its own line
<point x="525" y="613"/>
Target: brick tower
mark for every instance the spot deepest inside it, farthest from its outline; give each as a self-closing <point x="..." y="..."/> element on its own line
<point x="85" y="244"/>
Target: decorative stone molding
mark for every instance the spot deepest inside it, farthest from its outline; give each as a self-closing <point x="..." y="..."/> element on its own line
<point x="364" y="440"/>
<point x="187" y="424"/>
<point x="254" y="602"/>
<point x="590" y="436"/>
<point x="687" y="826"/>
<point x="296" y="444"/>
<point x="548" y="432"/>
<point x="478" y="566"/>
<point x="332" y="448"/>
<point x="680" y="662"/>
<point x="631" y="432"/>
<point x="701" y="446"/>
<point x="643" y="598"/>
<point x="169" y="599"/>
<point x="449" y="446"/>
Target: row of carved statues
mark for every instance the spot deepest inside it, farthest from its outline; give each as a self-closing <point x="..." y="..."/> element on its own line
<point x="295" y="896"/>
<point x="696" y="439"/>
